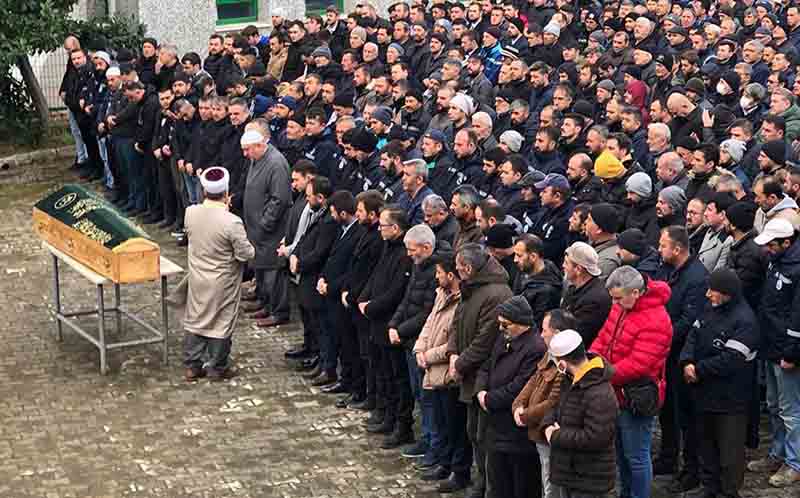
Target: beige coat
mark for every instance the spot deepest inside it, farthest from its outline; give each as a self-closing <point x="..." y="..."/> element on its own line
<point x="432" y="341"/>
<point x="218" y="249"/>
<point x="276" y="64"/>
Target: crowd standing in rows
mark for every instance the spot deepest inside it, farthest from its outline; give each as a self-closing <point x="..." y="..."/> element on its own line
<point x="546" y="226"/>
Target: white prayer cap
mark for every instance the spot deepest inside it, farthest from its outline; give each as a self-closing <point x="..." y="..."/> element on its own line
<point x="252" y="137"/>
<point x="113" y="71"/>
<point x="564" y="343"/>
<point x="215" y="180"/>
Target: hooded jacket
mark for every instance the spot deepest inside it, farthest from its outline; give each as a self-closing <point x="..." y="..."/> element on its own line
<point x="637" y="341"/>
<point x="432" y="341"/>
<point x="542" y="290"/>
<point x="583" y="454"/>
<point x="475" y="322"/>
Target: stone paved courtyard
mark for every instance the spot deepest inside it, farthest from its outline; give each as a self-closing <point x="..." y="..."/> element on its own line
<point x="141" y="431"/>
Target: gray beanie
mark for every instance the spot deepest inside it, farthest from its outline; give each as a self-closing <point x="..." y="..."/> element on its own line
<point x="399" y="48"/>
<point x="512" y="139"/>
<point x="640" y="184"/>
<point x="322" y="51"/>
<point x="734" y="148"/>
<point x="516" y="310"/>
<point x="675" y="197"/>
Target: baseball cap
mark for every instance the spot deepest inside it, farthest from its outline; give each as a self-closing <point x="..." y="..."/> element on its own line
<point x="582" y="254"/>
<point x="776" y="228"/>
<point x="553" y="180"/>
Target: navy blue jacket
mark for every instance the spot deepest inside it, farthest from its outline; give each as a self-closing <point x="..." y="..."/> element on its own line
<point x="689" y="284"/>
<point x="779" y="313"/>
<point x="722" y="345"/>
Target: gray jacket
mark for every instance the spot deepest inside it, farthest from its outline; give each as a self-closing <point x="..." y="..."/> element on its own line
<point x="267" y="197"/>
<point x="714" y="250"/>
<point x="608" y="259"/>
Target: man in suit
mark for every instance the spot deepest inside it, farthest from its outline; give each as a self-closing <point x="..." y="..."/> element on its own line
<point x="338" y="333"/>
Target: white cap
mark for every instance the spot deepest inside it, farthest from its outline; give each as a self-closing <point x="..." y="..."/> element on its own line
<point x="215" y="180"/>
<point x="564" y="343"/>
<point x="113" y="71"/>
<point x="252" y="137"/>
<point x="101" y="54"/>
<point x="776" y="228"/>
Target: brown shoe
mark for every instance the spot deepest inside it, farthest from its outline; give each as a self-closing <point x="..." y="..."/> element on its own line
<point x="259" y="315"/>
<point x="252" y="306"/>
<point x="193" y="374"/>
<point x="228" y="373"/>
<point x="271" y="322"/>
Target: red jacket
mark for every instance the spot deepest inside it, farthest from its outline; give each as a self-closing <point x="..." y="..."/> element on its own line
<point x="637" y="342"/>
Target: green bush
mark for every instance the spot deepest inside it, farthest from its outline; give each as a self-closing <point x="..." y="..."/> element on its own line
<point x="19" y="121"/>
<point x="109" y="32"/>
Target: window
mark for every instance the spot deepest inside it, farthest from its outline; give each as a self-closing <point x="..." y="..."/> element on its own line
<point x="236" y="11"/>
<point x="319" y="6"/>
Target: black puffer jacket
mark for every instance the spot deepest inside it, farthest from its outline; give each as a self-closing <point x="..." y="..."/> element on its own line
<point x="722" y="346"/>
<point x="590" y="304"/>
<point x="649" y="263"/>
<point x="512" y="363"/>
<point x="779" y="311"/>
<point x="417" y="302"/>
<point x="542" y="290"/>
<point x="687" y="300"/>
<point x="386" y="288"/>
<point x="749" y="261"/>
<point x="643" y="216"/>
<point x="583" y="455"/>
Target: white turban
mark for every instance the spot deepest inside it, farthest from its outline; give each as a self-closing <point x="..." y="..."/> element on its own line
<point x="215" y="180"/>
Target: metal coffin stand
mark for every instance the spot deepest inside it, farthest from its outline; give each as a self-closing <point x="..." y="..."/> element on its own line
<point x="156" y="336"/>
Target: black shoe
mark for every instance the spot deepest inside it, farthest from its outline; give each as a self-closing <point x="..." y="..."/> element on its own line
<point x="309" y="363"/>
<point x="85" y="173"/>
<point x="313" y="373"/>
<point x="476" y="491"/>
<point x="77" y="166"/>
<point x="436" y="473"/>
<point x="663" y="467"/>
<point x="167" y="223"/>
<point x="686" y="481"/>
<point x="335" y="388"/>
<point x="324" y="379"/>
<point x="453" y="484"/>
<point x="375" y="417"/>
<point x="153" y="219"/>
<point x="182" y="242"/>
<point x="298" y="353"/>
<point x="401" y="436"/>
<point x="385" y="427"/>
<point x="344" y="401"/>
<point x="363" y="404"/>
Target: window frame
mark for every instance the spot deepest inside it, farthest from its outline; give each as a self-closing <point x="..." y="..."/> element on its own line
<point x="237" y="20"/>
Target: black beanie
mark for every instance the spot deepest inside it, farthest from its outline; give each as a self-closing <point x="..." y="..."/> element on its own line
<point x="741" y="215"/>
<point x="722" y="200"/>
<point x="726" y="281"/>
<point x="606" y="217"/>
<point x="500" y="236"/>
<point x="776" y="151"/>
<point x="632" y="240"/>
<point x="516" y="310"/>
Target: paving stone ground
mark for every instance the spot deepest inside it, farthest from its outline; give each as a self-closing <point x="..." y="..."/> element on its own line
<point x="140" y="431"/>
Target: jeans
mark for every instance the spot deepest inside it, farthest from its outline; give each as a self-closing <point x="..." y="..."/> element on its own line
<point x="422" y="396"/>
<point x="549" y="490"/>
<point x="783" y="404"/>
<point x="634" y="438"/>
<point x="192" y="188"/>
<point x="80" y="147"/>
<point x="108" y="177"/>
<point x="449" y="439"/>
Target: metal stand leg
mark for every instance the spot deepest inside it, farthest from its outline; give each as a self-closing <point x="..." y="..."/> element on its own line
<point x="117" y="304"/>
<point x="164" y="315"/>
<point x="57" y="292"/>
<point x="101" y="330"/>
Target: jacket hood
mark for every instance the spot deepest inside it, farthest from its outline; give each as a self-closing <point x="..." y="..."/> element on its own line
<point x="785" y="203"/>
<point x="792" y="113"/>
<point x="657" y="294"/>
<point x="595" y="372"/>
<point x="550" y="274"/>
<point x="491" y="273"/>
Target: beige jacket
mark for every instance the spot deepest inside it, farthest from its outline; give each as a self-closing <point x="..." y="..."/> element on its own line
<point x="276" y="64"/>
<point x="432" y="341"/>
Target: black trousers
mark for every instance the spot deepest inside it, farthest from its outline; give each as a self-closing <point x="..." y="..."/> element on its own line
<point x="677" y="421"/>
<point x="311" y="327"/>
<point x="280" y="303"/>
<point x="514" y="475"/>
<point x="394" y="381"/>
<point x="86" y="125"/>
<point x="350" y="354"/>
<point x="166" y="187"/>
<point x="721" y="445"/>
<point x="458" y="443"/>
<point x="476" y="430"/>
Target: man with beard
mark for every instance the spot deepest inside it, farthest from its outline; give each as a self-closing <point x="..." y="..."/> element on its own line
<point x="679" y="43"/>
<point x="604" y="93"/>
<point x="596" y="140"/>
<point x="421" y="52"/>
<point x="704" y="169"/>
<point x="440" y="121"/>
<point x="368" y="173"/>
<point x="295" y="66"/>
<point x="539" y="281"/>
<point x="413" y="112"/>
<point x="671" y="207"/>
<point x="468" y="159"/>
<point x="586" y="187"/>
<point x="213" y="62"/>
<point x="523" y="122"/>
<point x="75" y="100"/>
<point x="439" y="218"/>
<point x="459" y="112"/>
<point x="572" y="141"/>
<point x="545" y="156"/>
<point x="509" y="192"/>
<point x="632" y="125"/>
<point x="483" y="126"/>
<point x="444" y="177"/>
<point x="541" y="90"/>
<point x="478" y="85"/>
<point x="465" y="200"/>
<point x="490" y="53"/>
<point x="642" y="207"/>
<point x="392" y="165"/>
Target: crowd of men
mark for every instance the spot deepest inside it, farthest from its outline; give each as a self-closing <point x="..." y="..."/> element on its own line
<point x="544" y="224"/>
